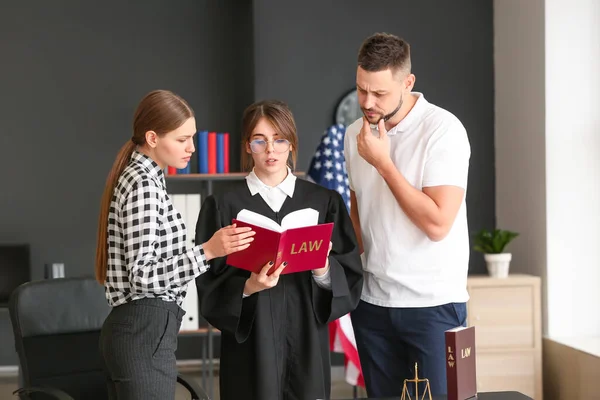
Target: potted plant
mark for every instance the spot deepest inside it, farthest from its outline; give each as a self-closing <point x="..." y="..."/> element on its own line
<point x="492" y="244"/>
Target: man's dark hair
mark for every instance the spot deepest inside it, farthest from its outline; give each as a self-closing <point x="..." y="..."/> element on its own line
<point x="381" y="51"/>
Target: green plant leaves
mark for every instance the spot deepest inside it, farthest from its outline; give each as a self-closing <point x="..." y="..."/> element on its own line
<point x="492" y="242"/>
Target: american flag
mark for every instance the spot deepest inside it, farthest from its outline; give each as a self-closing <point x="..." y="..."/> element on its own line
<point x="328" y="168"/>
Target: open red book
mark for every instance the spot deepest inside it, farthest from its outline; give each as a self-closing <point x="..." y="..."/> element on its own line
<point x="299" y="240"/>
<point x="460" y="363"/>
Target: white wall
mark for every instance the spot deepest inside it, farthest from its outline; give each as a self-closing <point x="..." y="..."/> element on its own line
<point x="573" y="166"/>
<point x="547" y="66"/>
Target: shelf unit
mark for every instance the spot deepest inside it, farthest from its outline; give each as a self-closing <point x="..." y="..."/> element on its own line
<point x="507" y="316"/>
<point x="206" y="181"/>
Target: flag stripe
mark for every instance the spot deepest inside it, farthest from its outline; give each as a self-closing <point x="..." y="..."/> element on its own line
<point x="328" y="169"/>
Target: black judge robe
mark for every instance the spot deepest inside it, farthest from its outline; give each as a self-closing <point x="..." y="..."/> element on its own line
<point x="275" y="343"/>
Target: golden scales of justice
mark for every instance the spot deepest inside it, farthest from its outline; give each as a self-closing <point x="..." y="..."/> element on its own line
<point x="406" y="395"/>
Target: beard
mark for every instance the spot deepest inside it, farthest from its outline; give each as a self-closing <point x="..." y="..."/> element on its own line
<point x="386" y="117"/>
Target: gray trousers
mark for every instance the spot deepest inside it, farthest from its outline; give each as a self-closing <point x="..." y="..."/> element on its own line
<point x="138" y="343"/>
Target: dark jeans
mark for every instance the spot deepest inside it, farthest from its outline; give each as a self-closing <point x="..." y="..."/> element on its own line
<point x="391" y="340"/>
<point x="138" y="343"/>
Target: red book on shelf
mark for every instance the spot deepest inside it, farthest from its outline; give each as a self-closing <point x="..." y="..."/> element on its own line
<point x="212" y="152"/>
<point x="299" y="240"/>
<point x="226" y="152"/>
<point x="172" y="171"/>
<point x="460" y="363"/>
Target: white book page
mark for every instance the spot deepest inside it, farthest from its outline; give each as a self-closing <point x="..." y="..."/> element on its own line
<point x="295" y="219"/>
<point x="253" y="218"/>
<point x="300" y="218"/>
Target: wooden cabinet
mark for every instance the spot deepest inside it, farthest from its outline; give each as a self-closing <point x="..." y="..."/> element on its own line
<point x="506" y="314"/>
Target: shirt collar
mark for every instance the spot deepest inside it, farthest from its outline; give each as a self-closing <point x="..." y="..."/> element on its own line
<point x="412" y="116"/>
<point x="149" y="166"/>
<point x="256" y="185"/>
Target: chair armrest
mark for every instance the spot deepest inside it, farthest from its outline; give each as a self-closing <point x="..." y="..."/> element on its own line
<point x="195" y="390"/>
<point x="56" y="393"/>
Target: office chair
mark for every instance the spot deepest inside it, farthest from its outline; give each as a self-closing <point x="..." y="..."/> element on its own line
<point x="57" y="325"/>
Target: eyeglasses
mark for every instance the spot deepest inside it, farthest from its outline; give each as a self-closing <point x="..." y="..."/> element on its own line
<point x="260" y="146"/>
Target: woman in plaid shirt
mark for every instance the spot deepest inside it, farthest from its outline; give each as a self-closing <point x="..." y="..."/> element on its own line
<point x="141" y="257"/>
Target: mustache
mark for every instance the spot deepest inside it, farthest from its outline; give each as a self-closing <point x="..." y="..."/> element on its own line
<point x="366" y="110"/>
<point x="384" y="116"/>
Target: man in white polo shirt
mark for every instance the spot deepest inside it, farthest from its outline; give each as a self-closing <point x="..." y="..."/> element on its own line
<point x="407" y="162"/>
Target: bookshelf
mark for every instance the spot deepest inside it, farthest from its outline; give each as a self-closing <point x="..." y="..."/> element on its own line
<point x="208" y="177"/>
<point x="206" y="181"/>
<point x="216" y="177"/>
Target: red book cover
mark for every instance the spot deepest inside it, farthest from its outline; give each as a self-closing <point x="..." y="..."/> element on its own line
<point x="172" y="171"/>
<point x="460" y="363"/>
<point x="226" y="152"/>
<point x="212" y="152"/>
<point x="303" y="247"/>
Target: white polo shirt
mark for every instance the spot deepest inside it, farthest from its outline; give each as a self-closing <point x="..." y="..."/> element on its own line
<point x="403" y="267"/>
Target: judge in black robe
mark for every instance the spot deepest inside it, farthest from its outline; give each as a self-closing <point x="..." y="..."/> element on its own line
<point x="275" y="343"/>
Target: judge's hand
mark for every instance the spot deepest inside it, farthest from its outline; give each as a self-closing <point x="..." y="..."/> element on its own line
<point x="262" y="280"/>
<point x="322" y="271"/>
<point x="228" y="240"/>
<point x="375" y="150"/>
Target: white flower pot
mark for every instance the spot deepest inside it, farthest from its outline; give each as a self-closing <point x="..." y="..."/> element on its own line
<point x="498" y="264"/>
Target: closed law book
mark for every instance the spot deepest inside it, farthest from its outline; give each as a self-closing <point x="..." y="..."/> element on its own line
<point x="226" y="152"/>
<point x="460" y="363"/>
<point x="203" y="152"/>
<point x="185" y="170"/>
<point x="299" y="241"/>
<point x="212" y="152"/>
<point x="220" y="153"/>
<point x="194" y="159"/>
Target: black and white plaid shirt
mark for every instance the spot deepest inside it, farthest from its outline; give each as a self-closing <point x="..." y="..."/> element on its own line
<point x="147" y="255"/>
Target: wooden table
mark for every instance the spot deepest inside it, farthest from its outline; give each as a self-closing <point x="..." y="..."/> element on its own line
<point x="480" y="396"/>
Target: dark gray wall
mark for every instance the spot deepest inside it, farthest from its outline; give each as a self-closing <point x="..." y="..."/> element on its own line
<point x="305" y="54"/>
<point x="72" y="74"/>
